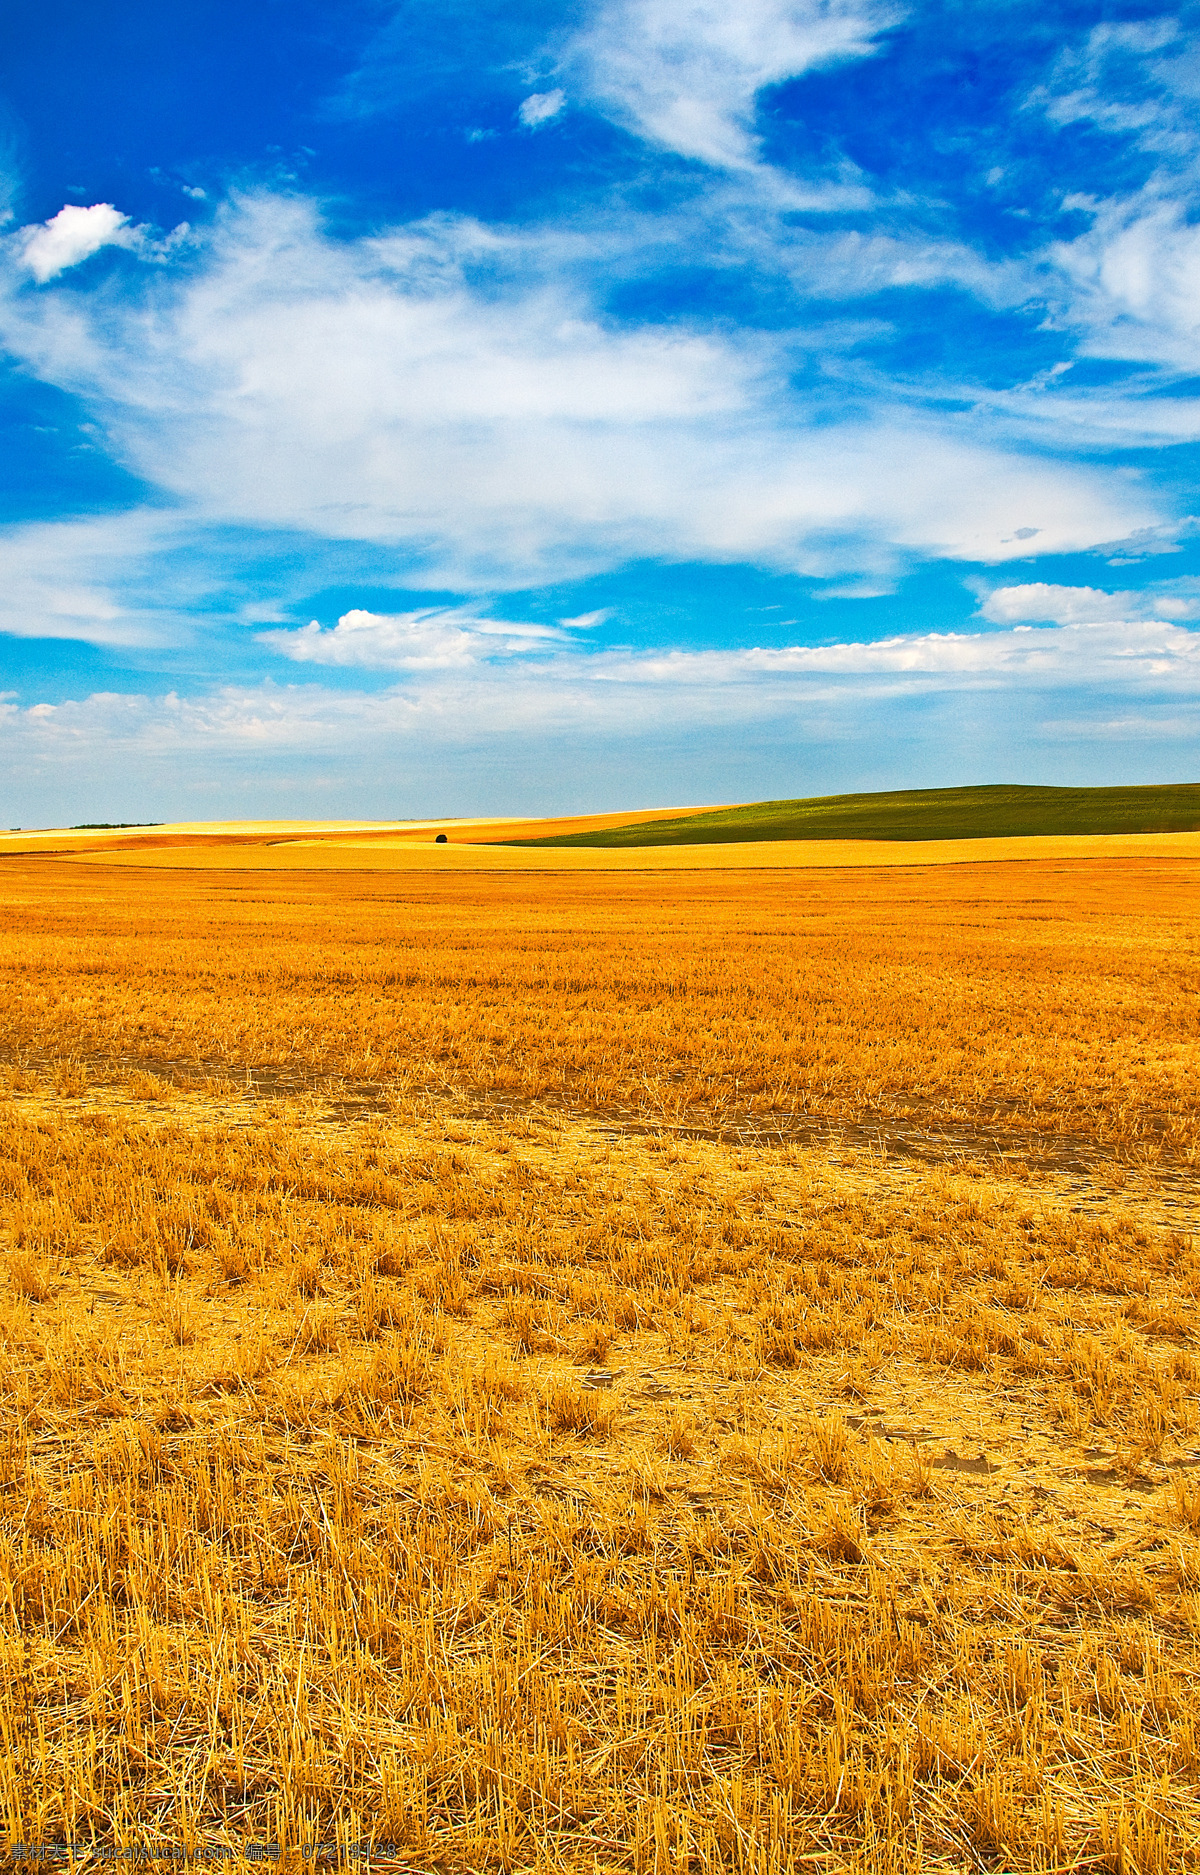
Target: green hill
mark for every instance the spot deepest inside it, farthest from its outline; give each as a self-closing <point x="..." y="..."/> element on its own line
<point x="917" y="814"/>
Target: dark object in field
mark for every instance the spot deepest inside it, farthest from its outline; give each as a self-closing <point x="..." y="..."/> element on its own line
<point x="441" y="840"/>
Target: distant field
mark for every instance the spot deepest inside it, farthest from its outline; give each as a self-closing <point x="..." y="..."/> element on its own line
<point x="1000" y="812"/>
<point x="218" y="835"/>
<point x="942" y="826"/>
<point x="467" y="851"/>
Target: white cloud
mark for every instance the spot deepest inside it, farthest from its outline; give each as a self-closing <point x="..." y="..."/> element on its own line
<point x="1129" y="78"/>
<point x="1122" y="416"/>
<point x="1135" y="281"/>
<point x="614" y="693"/>
<point x="685" y="73"/>
<point x="1151" y="727"/>
<point x="1126" y="653"/>
<point x="436" y="638"/>
<point x="70" y="579"/>
<point x="855" y="264"/>
<point x="71" y="236"/>
<point x="581" y="728"/>
<point x="451" y="391"/>
<point x="1132" y="280"/>
<point x="540" y="107"/>
<point x="1085" y="605"/>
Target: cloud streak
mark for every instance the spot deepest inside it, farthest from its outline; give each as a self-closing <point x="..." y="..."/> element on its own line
<point x="477" y="698"/>
<point x="568" y="726"/>
<point x="685" y="74"/>
<point x="436" y="638"/>
<point x="87" y="580"/>
<point x="461" y="397"/>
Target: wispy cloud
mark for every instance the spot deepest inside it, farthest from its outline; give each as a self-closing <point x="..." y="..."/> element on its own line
<point x="618" y="727"/>
<point x="463" y="397"/>
<point x="1132" y="280"/>
<point x="541" y="107"/>
<point x="86" y="580"/>
<point x="685" y="74"/>
<point x="1131" y="78"/>
<point x="1127" y="651"/>
<point x="606" y="694"/>
<point x="434" y="639"/>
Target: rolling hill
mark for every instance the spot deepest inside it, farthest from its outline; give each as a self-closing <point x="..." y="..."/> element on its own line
<point x="1000" y="811"/>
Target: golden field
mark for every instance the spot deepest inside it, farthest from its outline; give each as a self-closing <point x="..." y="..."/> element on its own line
<point x="635" y="1367"/>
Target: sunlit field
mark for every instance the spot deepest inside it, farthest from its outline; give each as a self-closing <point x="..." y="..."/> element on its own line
<point x="519" y="1367"/>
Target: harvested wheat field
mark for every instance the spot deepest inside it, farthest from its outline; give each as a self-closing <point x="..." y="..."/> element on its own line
<point x="613" y="1369"/>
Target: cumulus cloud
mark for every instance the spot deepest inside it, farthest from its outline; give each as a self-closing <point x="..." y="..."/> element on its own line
<point x="541" y="107"/>
<point x="71" y="236"/>
<point x="1085" y="605"/>
<point x="435" y="638"/>
<point x="685" y="74"/>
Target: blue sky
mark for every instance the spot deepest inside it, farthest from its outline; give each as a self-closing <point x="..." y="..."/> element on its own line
<point x="480" y="407"/>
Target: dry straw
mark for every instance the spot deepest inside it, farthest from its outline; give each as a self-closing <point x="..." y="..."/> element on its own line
<point x="534" y="1486"/>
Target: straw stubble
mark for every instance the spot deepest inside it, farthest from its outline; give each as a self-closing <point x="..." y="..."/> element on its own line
<point x="448" y="1403"/>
